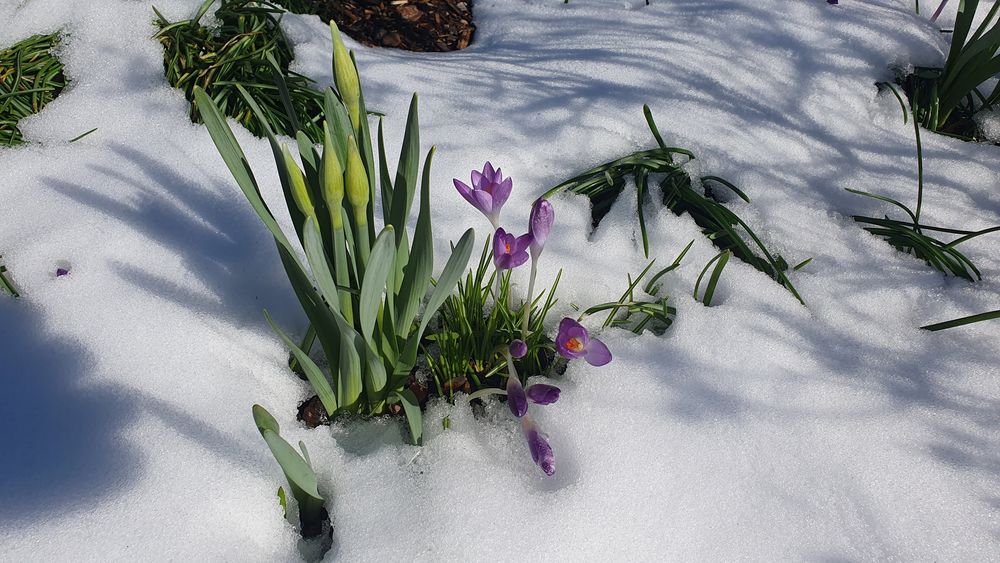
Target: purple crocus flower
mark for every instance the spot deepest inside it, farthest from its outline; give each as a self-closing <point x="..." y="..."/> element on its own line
<point x="488" y="193"/>
<point x="574" y="342"/>
<point x="518" y="348"/>
<point x="538" y="444"/>
<point x="510" y="251"/>
<point x="539" y="224"/>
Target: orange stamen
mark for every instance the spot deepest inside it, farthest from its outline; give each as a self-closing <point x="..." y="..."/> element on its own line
<point x="574" y="344"/>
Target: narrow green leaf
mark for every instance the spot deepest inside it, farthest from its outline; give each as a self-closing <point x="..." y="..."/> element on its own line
<point x="315" y="375"/>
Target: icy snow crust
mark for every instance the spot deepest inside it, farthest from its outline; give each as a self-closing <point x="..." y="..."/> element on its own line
<point x="757" y="429"/>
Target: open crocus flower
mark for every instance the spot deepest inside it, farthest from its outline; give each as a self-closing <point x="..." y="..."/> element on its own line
<point x="510" y="251"/>
<point x="574" y="342"/>
<point x="538" y="444"/>
<point x="488" y="193"/>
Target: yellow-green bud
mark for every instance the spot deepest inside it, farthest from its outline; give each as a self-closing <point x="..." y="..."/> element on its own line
<point x="357" y="179"/>
<point x="333" y="181"/>
<point x="346" y="76"/>
<point x="298" y="184"/>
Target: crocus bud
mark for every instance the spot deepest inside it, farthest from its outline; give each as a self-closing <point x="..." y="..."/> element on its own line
<point x="345" y="74"/>
<point x="298" y="184"/>
<point x="516" y="399"/>
<point x="542" y="393"/>
<point x="333" y="181"/>
<point x="357" y="179"/>
<point x="540" y="223"/>
<point x="538" y="445"/>
<point x="518" y="348"/>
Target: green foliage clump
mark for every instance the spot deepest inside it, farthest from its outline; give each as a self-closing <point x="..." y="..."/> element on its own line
<point x="603" y="184"/>
<point x="247" y="50"/>
<point x="945" y="99"/>
<point x="30" y="77"/>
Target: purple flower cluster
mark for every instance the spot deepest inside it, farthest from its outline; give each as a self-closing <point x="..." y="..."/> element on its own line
<point x="488" y="193"/>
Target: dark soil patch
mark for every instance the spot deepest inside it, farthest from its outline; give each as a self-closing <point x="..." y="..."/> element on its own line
<point x="412" y="25"/>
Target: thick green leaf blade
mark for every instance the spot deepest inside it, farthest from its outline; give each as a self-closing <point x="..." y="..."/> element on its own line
<point x="417" y="274"/>
<point x="297" y="471"/>
<point x="380" y="263"/>
<point x="414" y="419"/>
<point x="319" y="263"/>
<point x="236" y="161"/>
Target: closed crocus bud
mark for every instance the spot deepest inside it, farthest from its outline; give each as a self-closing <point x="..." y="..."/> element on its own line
<point x="543" y="216"/>
<point x="333" y="181"/>
<point x="357" y="179"/>
<point x="516" y="399"/>
<point x="538" y="445"/>
<point x="542" y="393"/>
<point x="345" y="74"/>
<point x="298" y="184"/>
<point x="518" y="348"/>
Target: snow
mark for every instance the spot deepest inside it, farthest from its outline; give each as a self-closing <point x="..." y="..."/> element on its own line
<point x="756" y="429"/>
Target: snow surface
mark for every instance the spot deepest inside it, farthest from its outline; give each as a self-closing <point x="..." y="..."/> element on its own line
<point x="757" y="429"/>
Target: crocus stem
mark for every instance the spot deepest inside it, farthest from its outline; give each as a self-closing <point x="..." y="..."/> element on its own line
<point x="494" y="221"/>
<point x="530" y="298"/>
<point x="511" y="372"/>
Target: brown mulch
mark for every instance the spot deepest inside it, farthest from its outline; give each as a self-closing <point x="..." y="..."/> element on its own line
<point x="413" y="25"/>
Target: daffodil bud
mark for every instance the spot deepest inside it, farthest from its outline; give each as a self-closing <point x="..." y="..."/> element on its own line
<point x="298" y="184"/>
<point x="357" y="179"/>
<point x="346" y="76"/>
<point x="333" y="181"/>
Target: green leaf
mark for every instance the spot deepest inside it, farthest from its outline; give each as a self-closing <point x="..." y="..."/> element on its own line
<point x="315" y="375"/>
<point x="453" y="270"/>
<point x="318" y="261"/>
<point x="417" y="274"/>
<point x="296" y="469"/>
<point x="406" y="173"/>
<point x="236" y="161"/>
<point x="414" y="419"/>
<point x="380" y="263"/>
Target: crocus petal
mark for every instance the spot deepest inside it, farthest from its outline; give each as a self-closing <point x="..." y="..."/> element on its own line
<point x="517" y="401"/>
<point x="521" y="244"/>
<point x="484" y="202"/>
<point x="477" y="179"/>
<point x="518" y="259"/>
<point x="568" y="323"/>
<point x="465" y="190"/>
<point x="538" y="445"/>
<point x="499" y="241"/>
<point x="518" y="348"/>
<point x="489" y="172"/>
<point x="597" y="353"/>
<point x="542" y="393"/>
<point x="501" y="192"/>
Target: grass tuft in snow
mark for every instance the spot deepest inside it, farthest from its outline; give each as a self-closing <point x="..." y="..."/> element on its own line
<point x="476" y="325"/>
<point x="30" y="77"/>
<point x="637" y="314"/>
<point x="946" y="99"/>
<point x="908" y="236"/>
<point x="603" y="184"/>
<point x="247" y="50"/>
